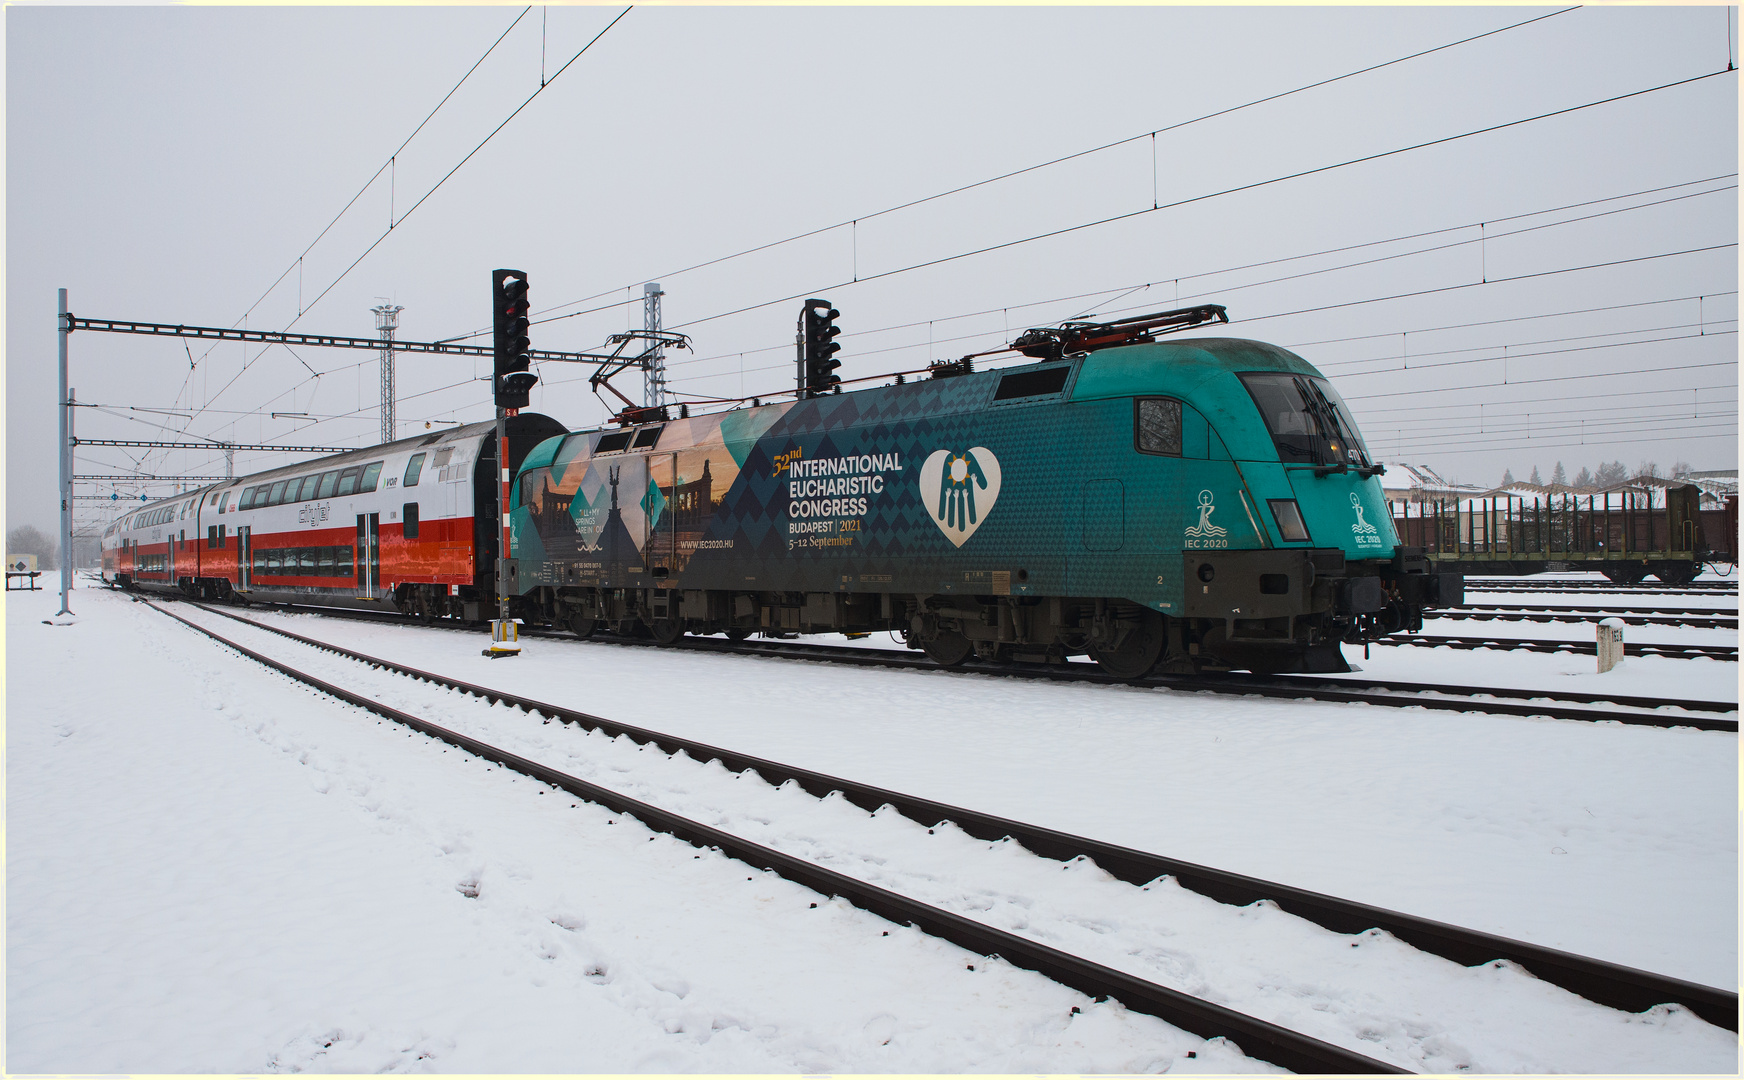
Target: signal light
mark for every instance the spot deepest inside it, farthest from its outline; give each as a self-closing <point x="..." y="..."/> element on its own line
<point x="512" y="384"/>
<point x="818" y="325"/>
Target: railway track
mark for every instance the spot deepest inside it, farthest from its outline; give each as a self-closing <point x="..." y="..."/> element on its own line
<point x="1563" y="705"/>
<point x="1630" y="648"/>
<point x="1693" y="618"/>
<point x="1694" y="588"/>
<point x="1278" y="1045"/>
<point x="1608" y="984"/>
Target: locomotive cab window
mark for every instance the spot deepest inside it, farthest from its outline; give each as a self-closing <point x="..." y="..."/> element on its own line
<point x="1307" y="419"/>
<point x="414" y="468"/>
<point x="1157" y="426"/>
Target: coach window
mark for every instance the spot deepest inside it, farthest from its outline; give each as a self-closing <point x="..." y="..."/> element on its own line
<point x="329" y="481"/>
<point x="307" y="561"/>
<point x="409" y="518"/>
<point x="370" y="472"/>
<point x="325" y="569"/>
<point x="342" y="562"/>
<point x="348" y="481"/>
<point x="1158" y="426"/>
<point x="413" y="468"/>
<point x="277" y="494"/>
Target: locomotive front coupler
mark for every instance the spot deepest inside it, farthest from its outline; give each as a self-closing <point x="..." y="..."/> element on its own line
<point x="1415" y="583"/>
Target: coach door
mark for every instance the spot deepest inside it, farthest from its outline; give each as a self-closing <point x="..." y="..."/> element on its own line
<point x="244" y="557"/>
<point x="368" y="556"/>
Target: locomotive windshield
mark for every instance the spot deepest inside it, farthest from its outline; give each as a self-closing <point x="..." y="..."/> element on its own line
<point x="1308" y="421"/>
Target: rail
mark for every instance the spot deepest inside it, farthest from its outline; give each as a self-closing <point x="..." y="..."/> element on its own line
<point x="1608" y="984"/>
<point x="1270" y="1042"/>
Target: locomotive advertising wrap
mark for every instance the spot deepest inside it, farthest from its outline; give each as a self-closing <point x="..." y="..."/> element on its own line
<point x="951" y="485"/>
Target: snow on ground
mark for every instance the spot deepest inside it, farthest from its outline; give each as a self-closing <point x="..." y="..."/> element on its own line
<point x="1696" y="679"/>
<point x="213" y="870"/>
<point x="1384" y="1000"/>
<point x="1575" y="835"/>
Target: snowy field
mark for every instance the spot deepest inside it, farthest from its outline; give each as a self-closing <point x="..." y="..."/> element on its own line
<point x="213" y="869"/>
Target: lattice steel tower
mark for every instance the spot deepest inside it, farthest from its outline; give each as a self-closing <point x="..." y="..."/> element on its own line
<point x="654" y="374"/>
<point x="387" y="320"/>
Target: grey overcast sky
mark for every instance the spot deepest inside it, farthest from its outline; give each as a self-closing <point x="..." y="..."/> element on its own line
<point x="1563" y="289"/>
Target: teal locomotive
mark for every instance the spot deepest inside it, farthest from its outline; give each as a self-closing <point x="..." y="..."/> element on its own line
<point x="1200" y="504"/>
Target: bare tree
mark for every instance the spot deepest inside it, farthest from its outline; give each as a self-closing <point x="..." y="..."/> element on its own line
<point x="30" y="540"/>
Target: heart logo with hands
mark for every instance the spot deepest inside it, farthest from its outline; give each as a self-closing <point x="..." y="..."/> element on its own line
<point x="959" y="490"/>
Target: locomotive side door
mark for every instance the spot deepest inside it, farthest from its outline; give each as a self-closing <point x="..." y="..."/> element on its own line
<point x="244" y="557"/>
<point x="660" y="552"/>
<point x="368" y="555"/>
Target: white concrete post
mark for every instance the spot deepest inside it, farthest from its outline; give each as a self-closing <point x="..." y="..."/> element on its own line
<point x="1610" y="644"/>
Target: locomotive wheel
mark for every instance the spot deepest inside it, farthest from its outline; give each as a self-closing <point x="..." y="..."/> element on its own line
<point x="948" y="649"/>
<point x="666" y="631"/>
<point x="738" y="634"/>
<point x="581" y="625"/>
<point x="1137" y="653"/>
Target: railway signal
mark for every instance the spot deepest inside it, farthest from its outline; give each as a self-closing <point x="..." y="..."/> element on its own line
<point x="514" y="382"/>
<point x="818" y="329"/>
<point x="512" y="385"/>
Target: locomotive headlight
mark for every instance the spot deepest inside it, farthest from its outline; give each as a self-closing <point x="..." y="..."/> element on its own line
<point x="1289" y="518"/>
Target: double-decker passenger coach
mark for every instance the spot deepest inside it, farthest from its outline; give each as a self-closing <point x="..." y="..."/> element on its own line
<point x="409" y="526"/>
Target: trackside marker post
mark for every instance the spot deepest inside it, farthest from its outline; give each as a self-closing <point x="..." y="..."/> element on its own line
<point x="1610" y="644"/>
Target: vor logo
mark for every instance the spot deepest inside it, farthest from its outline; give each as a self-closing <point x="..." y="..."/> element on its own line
<point x="959" y="490"/>
<point x="1205" y="528"/>
<point x="1366" y="534"/>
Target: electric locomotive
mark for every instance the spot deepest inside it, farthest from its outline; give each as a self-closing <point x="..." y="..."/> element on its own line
<point x="1184" y="505"/>
<point x="410" y="526"/>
